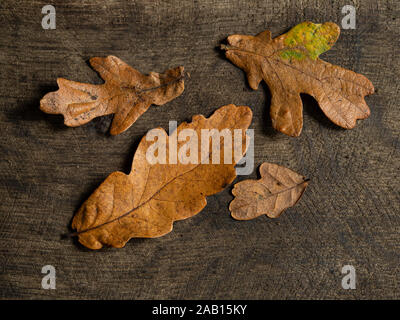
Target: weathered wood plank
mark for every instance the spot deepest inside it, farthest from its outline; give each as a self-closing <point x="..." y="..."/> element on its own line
<point x="350" y="213"/>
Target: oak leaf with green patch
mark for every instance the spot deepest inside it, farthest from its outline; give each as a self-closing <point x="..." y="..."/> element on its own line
<point x="289" y="64"/>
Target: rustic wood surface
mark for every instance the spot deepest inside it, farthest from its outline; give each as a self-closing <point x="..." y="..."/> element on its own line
<point x="350" y="213"/>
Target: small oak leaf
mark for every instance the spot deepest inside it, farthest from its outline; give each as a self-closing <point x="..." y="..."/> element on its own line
<point x="278" y="189"/>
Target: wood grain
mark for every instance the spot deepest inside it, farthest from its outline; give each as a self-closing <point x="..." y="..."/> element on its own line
<point x="350" y="213"/>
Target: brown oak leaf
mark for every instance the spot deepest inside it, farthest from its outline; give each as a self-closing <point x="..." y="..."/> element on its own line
<point x="126" y="92"/>
<point x="278" y="189"/>
<point x="289" y="64"/>
<point x="146" y="202"/>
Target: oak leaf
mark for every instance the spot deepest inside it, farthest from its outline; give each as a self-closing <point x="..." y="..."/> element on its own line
<point x="147" y="201"/>
<point x="278" y="189"/>
<point x="289" y="64"/>
<point x="126" y="92"/>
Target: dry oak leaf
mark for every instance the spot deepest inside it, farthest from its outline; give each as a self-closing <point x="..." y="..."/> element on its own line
<point x="126" y="92"/>
<point x="289" y="64"/>
<point x="278" y="189"/>
<point x="146" y="202"/>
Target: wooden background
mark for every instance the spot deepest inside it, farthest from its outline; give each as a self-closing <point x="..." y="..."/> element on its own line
<point x="348" y="215"/>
